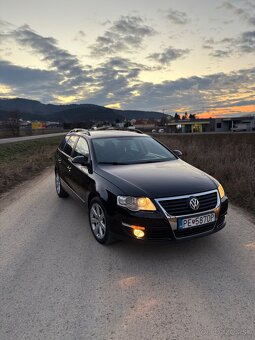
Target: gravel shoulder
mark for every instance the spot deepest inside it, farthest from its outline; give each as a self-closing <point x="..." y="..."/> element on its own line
<point x="56" y="282"/>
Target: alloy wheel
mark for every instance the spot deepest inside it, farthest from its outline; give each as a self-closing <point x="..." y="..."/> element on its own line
<point x="57" y="183"/>
<point x="97" y="221"/>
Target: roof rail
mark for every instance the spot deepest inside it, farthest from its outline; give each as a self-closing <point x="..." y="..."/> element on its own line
<point x="80" y="130"/>
<point x="123" y="129"/>
<point x="137" y="130"/>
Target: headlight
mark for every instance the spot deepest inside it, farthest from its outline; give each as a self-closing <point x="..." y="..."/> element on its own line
<point x="136" y="203"/>
<point x="221" y="191"/>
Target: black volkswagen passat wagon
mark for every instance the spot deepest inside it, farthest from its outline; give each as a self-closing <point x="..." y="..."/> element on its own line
<point x="136" y="188"/>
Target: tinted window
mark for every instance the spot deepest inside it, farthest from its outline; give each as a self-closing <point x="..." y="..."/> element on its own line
<point x="81" y="148"/>
<point x="63" y="143"/>
<point x="70" y="144"/>
<point x="130" y="150"/>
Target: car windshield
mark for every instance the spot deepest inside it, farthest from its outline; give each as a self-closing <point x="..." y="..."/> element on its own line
<point x="130" y="150"/>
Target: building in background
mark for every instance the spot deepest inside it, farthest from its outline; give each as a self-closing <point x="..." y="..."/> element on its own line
<point x="230" y="124"/>
<point x="235" y="124"/>
<point x="38" y="125"/>
<point x="189" y="126"/>
<point x="146" y="124"/>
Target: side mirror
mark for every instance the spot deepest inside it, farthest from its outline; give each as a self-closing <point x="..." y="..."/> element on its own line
<point x="178" y="153"/>
<point x="82" y="160"/>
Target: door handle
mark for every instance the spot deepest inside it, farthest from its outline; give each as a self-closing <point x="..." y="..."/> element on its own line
<point x="69" y="168"/>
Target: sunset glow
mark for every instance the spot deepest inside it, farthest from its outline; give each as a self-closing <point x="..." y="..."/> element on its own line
<point x="114" y="106"/>
<point x="194" y="56"/>
<point x="228" y="111"/>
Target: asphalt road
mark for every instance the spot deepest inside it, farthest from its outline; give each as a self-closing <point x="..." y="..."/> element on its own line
<point x="57" y="282"/>
<point x="21" y="139"/>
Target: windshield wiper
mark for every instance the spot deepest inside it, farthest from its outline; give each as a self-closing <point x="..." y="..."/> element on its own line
<point x="154" y="160"/>
<point x="113" y="163"/>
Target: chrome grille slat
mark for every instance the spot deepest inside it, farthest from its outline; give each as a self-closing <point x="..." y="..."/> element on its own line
<point x="178" y="206"/>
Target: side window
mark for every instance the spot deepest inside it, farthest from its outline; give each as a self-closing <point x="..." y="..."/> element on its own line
<point x="82" y="148"/>
<point x="63" y="143"/>
<point x="70" y="144"/>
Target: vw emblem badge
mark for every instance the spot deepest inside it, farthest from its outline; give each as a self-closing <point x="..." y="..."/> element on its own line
<point x="194" y="203"/>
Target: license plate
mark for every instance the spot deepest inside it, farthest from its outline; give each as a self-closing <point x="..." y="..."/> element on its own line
<point x="189" y="222"/>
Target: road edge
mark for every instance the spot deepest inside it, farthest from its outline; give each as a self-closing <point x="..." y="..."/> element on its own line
<point x="20" y="189"/>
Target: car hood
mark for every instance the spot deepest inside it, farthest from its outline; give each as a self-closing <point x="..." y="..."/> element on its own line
<point x="155" y="180"/>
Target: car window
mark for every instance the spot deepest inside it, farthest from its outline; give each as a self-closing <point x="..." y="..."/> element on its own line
<point x="130" y="150"/>
<point x="63" y="143"/>
<point x="70" y="144"/>
<point x="82" y="148"/>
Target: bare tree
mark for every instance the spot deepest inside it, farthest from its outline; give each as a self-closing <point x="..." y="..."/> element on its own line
<point x="192" y="116"/>
<point x="13" y="122"/>
<point x="163" y="120"/>
<point x="176" y="116"/>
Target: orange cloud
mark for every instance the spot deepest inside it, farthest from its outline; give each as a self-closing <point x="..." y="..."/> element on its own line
<point x="228" y="111"/>
<point x="113" y="106"/>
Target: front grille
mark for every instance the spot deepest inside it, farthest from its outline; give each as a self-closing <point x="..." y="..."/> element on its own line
<point x="180" y="206"/>
<point x="194" y="230"/>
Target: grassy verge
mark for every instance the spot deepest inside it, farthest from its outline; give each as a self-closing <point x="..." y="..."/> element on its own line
<point x="228" y="157"/>
<point x="23" y="160"/>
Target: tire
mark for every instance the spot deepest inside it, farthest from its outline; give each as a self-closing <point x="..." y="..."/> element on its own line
<point x="59" y="189"/>
<point x="98" y="222"/>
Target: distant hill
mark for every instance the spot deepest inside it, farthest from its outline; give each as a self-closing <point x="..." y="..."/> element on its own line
<point x="31" y="106"/>
<point x="86" y="112"/>
<point x="133" y="114"/>
<point x="3" y="114"/>
<point x="32" y="110"/>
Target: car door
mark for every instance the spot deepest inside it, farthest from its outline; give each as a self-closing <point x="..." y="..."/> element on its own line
<point x="59" y="156"/>
<point x="80" y="177"/>
<point x="66" y="164"/>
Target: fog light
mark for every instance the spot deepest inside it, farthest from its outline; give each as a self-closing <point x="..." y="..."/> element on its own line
<point x="138" y="233"/>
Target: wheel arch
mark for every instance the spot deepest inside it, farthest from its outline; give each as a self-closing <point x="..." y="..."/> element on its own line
<point x="91" y="196"/>
<point x="104" y="196"/>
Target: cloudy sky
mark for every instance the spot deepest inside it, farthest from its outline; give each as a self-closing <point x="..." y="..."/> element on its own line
<point x="180" y="55"/>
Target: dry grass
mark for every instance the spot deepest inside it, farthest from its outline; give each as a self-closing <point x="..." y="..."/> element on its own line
<point x="24" y="160"/>
<point x="228" y="157"/>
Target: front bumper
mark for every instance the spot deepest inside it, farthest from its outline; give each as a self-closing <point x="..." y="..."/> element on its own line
<point x="160" y="228"/>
